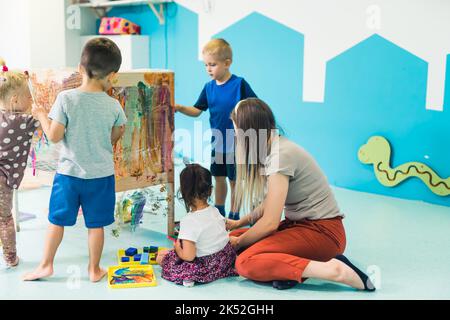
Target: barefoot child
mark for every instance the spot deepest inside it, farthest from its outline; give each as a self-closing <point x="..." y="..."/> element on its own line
<point x="16" y="131"/>
<point x="202" y="252"/>
<point x="89" y="123"/>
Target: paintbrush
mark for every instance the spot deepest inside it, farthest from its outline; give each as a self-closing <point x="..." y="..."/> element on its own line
<point x="30" y="86"/>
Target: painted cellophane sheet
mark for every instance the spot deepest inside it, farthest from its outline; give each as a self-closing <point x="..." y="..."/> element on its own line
<point x="143" y="157"/>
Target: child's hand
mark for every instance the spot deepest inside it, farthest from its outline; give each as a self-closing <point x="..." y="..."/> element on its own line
<point x="160" y="256"/>
<point x="37" y="110"/>
<point x="178" y="107"/>
<point x="232" y="224"/>
<point x="234" y="241"/>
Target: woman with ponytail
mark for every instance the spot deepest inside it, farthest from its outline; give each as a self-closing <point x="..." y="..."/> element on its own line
<point x="276" y="175"/>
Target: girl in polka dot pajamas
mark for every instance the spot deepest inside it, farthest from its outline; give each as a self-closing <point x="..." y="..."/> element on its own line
<point x="16" y="131"/>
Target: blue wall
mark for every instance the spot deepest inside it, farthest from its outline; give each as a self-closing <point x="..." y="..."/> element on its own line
<point x="374" y="88"/>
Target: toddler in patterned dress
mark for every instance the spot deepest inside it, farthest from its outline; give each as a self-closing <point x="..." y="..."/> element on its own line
<point x="16" y="131"/>
<point x="202" y="252"/>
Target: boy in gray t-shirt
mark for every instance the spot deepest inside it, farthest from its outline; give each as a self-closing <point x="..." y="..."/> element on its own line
<point x="88" y="122"/>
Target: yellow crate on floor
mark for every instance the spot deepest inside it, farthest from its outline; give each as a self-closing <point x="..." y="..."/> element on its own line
<point x="131" y="277"/>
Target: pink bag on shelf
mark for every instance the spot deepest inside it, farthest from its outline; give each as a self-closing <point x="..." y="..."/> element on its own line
<point x="114" y="25"/>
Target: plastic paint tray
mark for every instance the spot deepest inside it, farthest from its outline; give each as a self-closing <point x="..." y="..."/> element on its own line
<point x="131" y="277"/>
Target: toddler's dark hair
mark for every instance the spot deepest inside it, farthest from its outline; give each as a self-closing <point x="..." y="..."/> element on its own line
<point x="195" y="183"/>
<point x="100" y="57"/>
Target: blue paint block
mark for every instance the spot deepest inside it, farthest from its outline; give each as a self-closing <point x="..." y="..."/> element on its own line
<point x="125" y="259"/>
<point x="146" y="249"/>
<point x="144" y="258"/>
<point x="137" y="257"/>
<point x="153" y="249"/>
<point x="131" y="252"/>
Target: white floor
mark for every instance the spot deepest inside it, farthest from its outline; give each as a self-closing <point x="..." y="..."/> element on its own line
<point x="404" y="244"/>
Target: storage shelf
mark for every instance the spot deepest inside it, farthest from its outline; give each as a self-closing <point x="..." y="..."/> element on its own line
<point x="122" y="3"/>
<point x="103" y="7"/>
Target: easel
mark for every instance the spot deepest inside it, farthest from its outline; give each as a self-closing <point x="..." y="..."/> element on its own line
<point x="154" y="77"/>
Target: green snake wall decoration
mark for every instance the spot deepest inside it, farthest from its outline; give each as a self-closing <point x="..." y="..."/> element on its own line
<point x="377" y="151"/>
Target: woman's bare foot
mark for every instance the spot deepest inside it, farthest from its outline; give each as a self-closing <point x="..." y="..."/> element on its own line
<point x="96" y="274"/>
<point x="40" y="273"/>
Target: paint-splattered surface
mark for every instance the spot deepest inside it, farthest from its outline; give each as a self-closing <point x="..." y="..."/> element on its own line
<point x="47" y="84"/>
<point x="143" y="157"/>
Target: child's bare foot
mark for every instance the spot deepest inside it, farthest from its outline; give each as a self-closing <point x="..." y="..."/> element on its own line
<point x="14" y="264"/>
<point x="97" y="274"/>
<point x="40" y="273"/>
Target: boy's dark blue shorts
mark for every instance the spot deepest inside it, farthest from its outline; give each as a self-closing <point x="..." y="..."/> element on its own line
<point x="223" y="165"/>
<point x="97" y="198"/>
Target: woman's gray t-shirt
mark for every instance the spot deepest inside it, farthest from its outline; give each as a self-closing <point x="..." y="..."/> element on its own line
<point x="309" y="194"/>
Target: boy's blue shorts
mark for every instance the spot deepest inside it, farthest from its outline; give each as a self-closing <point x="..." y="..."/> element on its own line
<point x="97" y="198"/>
<point x="223" y="165"/>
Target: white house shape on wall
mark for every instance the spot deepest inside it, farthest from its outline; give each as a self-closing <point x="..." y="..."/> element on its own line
<point x="332" y="26"/>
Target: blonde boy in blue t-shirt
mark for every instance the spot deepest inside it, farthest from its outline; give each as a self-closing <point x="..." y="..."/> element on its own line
<point x="220" y="96"/>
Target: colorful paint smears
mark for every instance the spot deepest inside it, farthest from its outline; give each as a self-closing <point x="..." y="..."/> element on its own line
<point x="131" y="209"/>
<point x="143" y="157"/>
<point x="46" y="85"/>
<point x="131" y="277"/>
<point x="377" y="151"/>
<point x="144" y="152"/>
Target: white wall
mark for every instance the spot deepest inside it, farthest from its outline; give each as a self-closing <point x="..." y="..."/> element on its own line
<point x="333" y="26"/>
<point x="36" y="33"/>
<point x="15" y="33"/>
<point x="47" y="40"/>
